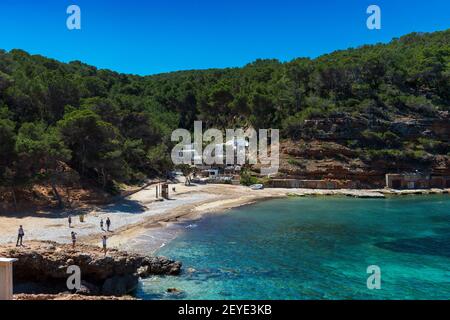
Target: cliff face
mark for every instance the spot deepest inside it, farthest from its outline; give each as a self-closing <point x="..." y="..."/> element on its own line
<point x="42" y="268"/>
<point x="360" y="152"/>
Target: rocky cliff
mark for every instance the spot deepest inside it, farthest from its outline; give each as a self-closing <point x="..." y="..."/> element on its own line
<point x="42" y="268"/>
<point x="360" y="152"/>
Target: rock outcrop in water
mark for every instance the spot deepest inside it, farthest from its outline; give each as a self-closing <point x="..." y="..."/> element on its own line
<point x="42" y="268"/>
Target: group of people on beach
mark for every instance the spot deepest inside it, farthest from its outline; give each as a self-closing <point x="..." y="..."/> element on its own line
<point x="104" y="237"/>
<point x="108" y="224"/>
<point x="73" y="235"/>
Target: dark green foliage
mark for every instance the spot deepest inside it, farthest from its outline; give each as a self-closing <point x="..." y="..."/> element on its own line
<point x="96" y="145"/>
<point x="113" y="127"/>
<point x="7" y="153"/>
<point x="247" y="179"/>
<point x="99" y="122"/>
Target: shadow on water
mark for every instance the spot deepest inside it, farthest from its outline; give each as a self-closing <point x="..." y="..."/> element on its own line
<point x="439" y="219"/>
<point x="442" y="230"/>
<point x="127" y="206"/>
<point x="435" y="246"/>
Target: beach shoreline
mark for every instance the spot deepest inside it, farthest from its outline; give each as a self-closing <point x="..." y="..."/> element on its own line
<point x="142" y="214"/>
<point x="172" y="224"/>
<point x="289" y="248"/>
<point x="142" y="224"/>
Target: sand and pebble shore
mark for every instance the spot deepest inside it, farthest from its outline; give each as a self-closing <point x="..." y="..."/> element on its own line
<point x="143" y="218"/>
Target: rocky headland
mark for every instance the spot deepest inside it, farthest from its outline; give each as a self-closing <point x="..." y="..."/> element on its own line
<point x="41" y="271"/>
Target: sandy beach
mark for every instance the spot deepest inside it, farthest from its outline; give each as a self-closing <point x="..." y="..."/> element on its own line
<point x="141" y="218"/>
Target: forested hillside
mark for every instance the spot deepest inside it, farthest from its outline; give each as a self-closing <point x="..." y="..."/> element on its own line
<point x="114" y="128"/>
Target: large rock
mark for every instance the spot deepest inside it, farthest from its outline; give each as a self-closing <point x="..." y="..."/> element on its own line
<point x="117" y="273"/>
<point x="160" y="265"/>
<point x="118" y="285"/>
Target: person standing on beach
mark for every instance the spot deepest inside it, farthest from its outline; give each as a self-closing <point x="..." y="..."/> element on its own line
<point x="108" y="224"/>
<point x="20" y="235"/>
<point x="104" y="244"/>
<point x="101" y="224"/>
<point x="74" y="239"/>
<point x="70" y="221"/>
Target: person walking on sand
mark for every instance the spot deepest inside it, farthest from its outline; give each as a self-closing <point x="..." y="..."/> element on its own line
<point x="74" y="239"/>
<point x="70" y="221"/>
<point x="104" y="244"/>
<point x="108" y="224"/>
<point x="20" y="235"/>
<point x="101" y="224"/>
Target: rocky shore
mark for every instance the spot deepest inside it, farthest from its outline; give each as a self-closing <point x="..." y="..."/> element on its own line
<point x="67" y="296"/>
<point x="41" y="271"/>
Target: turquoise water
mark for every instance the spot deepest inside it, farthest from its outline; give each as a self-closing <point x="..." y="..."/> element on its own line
<point x="314" y="248"/>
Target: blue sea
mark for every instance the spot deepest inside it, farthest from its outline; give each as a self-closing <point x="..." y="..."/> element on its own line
<point x="313" y="248"/>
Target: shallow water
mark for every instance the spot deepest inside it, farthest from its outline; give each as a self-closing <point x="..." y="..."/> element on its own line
<point x="313" y="248"/>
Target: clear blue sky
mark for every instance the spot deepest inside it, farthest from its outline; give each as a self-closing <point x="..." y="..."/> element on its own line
<point x="148" y="36"/>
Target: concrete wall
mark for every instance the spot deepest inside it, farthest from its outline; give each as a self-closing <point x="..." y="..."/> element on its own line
<point x="311" y="184"/>
<point x="440" y="182"/>
<point x="414" y="181"/>
<point x="6" y="278"/>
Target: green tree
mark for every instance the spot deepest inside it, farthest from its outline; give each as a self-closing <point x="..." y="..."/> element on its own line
<point x="96" y="146"/>
<point x="42" y="153"/>
<point x="7" y="151"/>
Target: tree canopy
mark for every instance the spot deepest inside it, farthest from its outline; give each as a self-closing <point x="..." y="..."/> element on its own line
<point x="113" y="127"/>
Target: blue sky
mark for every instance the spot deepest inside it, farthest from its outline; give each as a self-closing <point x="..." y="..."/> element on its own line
<point x="149" y="36"/>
